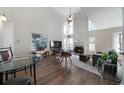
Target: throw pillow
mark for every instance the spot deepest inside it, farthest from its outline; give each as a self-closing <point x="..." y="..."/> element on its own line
<point x="5" y="55"/>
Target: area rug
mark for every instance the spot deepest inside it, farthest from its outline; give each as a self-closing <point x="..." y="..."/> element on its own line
<point x="84" y="65"/>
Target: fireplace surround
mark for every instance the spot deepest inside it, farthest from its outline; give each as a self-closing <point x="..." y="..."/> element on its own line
<point x="79" y="49"/>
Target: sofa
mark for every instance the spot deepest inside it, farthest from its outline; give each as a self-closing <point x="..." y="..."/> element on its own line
<point x="44" y="52"/>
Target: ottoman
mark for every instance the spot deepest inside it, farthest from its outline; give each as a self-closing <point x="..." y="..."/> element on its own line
<point x="84" y="58"/>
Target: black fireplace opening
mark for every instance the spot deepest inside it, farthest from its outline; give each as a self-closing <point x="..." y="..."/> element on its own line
<point x="79" y="49"/>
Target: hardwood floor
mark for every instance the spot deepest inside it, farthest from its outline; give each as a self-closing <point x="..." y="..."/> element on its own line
<point x="51" y="72"/>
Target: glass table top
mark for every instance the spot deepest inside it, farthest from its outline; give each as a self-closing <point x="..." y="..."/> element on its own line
<point x="19" y="63"/>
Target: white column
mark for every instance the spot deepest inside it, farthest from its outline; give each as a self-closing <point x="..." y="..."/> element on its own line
<point x="1" y="33"/>
<point x="122" y="81"/>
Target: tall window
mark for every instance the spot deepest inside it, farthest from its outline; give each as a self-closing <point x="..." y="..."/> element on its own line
<point x="91" y="42"/>
<point x="91" y="26"/>
<point x="117" y="41"/>
<point x="68" y="35"/>
<point x="70" y="31"/>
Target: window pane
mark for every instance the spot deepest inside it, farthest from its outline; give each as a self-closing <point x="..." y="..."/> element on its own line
<point x="65" y="30"/>
<point x="117" y="41"/>
<point x="91" y="47"/>
<point x="65" y="44"/>
<point x="68" y="36"/>
<point x="91" y="44"/>
<point x="92" y="40"/>
<point x="70" y="31"/>
<point x="91" y="26"/>
<point x="71" y="40"/>
<point x="71" y="23"/>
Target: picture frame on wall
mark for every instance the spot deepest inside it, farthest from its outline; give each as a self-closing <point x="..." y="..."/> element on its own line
<point x="39" y="41"/>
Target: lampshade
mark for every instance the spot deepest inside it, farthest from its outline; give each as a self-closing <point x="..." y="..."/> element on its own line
<point x="70" y="18"/>
<point x="3" y="17"/>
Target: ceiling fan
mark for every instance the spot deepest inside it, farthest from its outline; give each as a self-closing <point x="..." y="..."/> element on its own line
<point x="71" y="16"/>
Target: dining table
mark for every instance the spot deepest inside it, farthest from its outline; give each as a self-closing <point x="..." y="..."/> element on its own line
<point x="15" y="65"/>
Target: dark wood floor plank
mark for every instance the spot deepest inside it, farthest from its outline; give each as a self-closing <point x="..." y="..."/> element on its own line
<point x="51" y="72"/>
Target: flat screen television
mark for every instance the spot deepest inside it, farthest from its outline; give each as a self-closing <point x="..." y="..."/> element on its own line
<point x="55" y="44"/>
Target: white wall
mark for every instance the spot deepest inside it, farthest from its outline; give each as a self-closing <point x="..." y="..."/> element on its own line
<point x="6" y="34"/>
<point x="8" y="37"/>
<point x="104" y="39"/>
<point x="36" y="20"/>
<point x="81" y="28"/>
<point x="2" y="24"/>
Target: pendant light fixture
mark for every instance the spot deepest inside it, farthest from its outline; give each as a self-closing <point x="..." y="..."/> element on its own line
<point x="70" y="16"/>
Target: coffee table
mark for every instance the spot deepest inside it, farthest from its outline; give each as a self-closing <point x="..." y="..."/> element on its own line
<point x="84" y="57"/>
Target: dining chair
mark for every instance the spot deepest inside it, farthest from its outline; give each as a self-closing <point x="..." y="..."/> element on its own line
<point x="66" y="55"/>
<point x="6" y="55"/>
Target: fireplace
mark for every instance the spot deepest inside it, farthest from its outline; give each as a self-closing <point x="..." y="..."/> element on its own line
<point x="79" y="49"/>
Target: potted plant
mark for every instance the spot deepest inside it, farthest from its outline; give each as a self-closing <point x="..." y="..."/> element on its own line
<point x="104" y="56"/>
<point x="110" y="56"/>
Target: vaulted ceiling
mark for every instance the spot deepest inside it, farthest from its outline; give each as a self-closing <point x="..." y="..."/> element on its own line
<point x="102" y="17"/>
<point x="66" y="10"/>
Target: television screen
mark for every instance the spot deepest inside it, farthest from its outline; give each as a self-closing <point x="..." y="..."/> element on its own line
<point x="55" y="44"/>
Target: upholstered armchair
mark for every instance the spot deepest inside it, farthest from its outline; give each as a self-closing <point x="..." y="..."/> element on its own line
<point x="107" y="70"/>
